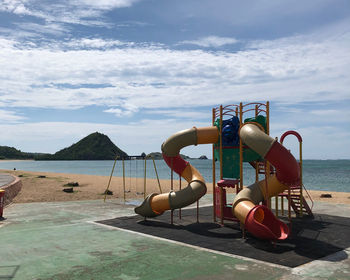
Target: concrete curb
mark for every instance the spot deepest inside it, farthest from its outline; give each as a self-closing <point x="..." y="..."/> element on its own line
<point x="12" y="189"/>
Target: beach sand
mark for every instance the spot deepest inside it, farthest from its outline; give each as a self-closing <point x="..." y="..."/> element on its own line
<point x="91" y="187"/>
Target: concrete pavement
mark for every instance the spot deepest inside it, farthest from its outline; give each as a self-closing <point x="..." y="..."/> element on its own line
<point x="61" y="241"/>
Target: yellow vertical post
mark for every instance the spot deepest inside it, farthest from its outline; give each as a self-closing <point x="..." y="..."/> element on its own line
<point x="256" y="162"/>
<point x="240" y="148"/>
<point x="144" y="180"/>
<point x="221" y="171"/>
<point x="267" y="163"/>
<point x="123" y="179"/>
<point x="110" y="178"/>
<point x="172" y="188"/>
<point x="268" y="118"/>
<point x="155" y="169"/>
<point x="214" y="169"/>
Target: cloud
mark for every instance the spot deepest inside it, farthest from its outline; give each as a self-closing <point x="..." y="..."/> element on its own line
<point x="191" y="113"/>
<point x="210" y="42"/>
<point x="295" y="69"/>
<point x="10" y="117"/>
<point x="66" y="11"/>
<point x="95" y="43"/>
<point x="126" y="110"/>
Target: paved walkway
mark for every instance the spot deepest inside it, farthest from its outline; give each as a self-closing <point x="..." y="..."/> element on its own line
<point x="5" y="179"/>
<point x="61" y="241"/>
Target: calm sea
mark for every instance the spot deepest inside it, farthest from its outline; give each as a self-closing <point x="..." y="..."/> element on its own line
<point x="332" y="175"/>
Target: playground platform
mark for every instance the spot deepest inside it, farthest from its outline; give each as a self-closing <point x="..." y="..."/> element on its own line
<point x="96" y="240"/>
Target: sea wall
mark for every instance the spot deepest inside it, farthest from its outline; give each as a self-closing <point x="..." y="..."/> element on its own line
<point x="12" y="189"/>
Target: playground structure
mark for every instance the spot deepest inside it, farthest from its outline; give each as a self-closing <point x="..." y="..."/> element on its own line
<point x="130" y="159"/>
<point x="235" y="140"/>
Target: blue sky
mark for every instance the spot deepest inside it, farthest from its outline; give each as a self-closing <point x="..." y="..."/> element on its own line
<point x="140" y="70"/>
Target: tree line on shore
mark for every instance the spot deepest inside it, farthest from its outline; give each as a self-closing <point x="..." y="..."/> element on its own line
<point x="95" y="146"/>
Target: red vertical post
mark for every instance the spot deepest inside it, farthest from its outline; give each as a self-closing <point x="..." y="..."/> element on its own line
<point x="2" y="202"/>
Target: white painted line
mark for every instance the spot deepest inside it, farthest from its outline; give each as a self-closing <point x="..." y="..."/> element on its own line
<point x="328" y="261"/>
<point x="194" y="247"/>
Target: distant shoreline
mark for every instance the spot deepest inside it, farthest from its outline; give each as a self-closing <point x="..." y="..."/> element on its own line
<point x="10" y="160"/>
<point x="92" y="187"/>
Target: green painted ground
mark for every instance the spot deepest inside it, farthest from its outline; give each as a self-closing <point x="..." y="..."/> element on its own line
<point x="58" y="241"/>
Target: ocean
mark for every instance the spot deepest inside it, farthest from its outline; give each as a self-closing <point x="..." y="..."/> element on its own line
<point x="331" y="175"/>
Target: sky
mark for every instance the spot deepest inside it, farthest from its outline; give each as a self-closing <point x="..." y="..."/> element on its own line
<point x="141" y="70"/>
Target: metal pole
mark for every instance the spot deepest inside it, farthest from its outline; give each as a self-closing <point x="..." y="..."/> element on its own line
<point x="123" y="179"/>
<point x="172" y="187"/>
<point x="214" y="170"/>
<point x="180" y="190"/>
<point x="144" y="180"/>
<point x="276" y="205"/>
<point x="155" y="169"/>
<point x="197" y="211"/>
<point x="256" y="162"/>
<point x="240" y="148"/>
<point x="301" y="176"/>
<point x="221" y="171"/>
<point x="267" y="163"/>
<point x="110" y="178"/>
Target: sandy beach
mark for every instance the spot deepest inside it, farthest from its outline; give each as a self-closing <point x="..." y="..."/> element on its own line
<point x="46" y="187"/>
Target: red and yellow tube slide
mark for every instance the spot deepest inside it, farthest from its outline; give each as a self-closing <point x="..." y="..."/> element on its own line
<point x="258" y="219"/>
<point x="155" y="204"/>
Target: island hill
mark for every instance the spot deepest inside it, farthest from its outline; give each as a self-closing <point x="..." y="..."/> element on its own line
<point x="95" y="146"/>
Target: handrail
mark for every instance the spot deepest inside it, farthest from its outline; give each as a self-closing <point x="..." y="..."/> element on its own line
<point x="254" y="103"/>
<point x="308" y="194"/>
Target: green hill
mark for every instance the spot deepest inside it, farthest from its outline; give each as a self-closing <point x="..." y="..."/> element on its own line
<point x="12" y="153"/>
<point x="95" y="146"/>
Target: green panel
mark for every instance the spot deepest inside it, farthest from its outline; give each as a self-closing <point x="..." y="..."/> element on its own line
<point x="230" y="162"/>
<point x="250" y="155"/>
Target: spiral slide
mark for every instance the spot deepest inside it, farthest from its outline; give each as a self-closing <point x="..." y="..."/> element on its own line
<point x="155" y="204"/>
<point x="258" y="219"/>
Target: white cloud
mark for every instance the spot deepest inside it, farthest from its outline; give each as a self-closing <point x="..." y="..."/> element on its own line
<point x="105" y="4"/>
<point x="210" y="41"/>
<point x="10" y="117"/>
<point x="66" y="11"/>
<point x="184" y="114"/>
<point x="294" y="70"/>
<point x="126" y="110"/>
<point x="35" y="29"/>
<point x="95" y="43"/>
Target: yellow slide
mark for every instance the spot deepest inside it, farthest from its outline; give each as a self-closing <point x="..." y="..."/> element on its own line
<point x="155" y="204"/>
